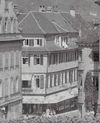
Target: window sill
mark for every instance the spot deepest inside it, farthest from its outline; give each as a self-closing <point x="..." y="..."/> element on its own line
<point x="26" y="89"/>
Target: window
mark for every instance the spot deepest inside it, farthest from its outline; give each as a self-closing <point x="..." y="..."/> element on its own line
<point x="95" y="82"/>
<point x="71" y="76"/>
<point x="38" y="42"/>
<point x="96" y="56"/>
<point x="80" y="56"/>
<point x="61" y="41"/>
<point x="28" y="42"/>
<point x="38" y="59"/>
<point x="39" y="80"/>
<point x="26" y="84"/>
<point x="25" y="60"/>
<point x="6" y="60"/>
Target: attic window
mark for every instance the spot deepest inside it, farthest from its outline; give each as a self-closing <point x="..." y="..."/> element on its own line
<point x="61" y="41"/>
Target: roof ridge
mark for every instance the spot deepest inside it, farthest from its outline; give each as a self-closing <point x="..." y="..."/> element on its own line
<point x="24" y="18"/>
<point x="37" y="23"/>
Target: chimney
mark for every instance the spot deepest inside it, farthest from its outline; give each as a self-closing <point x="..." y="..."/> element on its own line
<point x="49" y="9"/>
<point x="72" y="11"/>
<point x="42" y="8"/>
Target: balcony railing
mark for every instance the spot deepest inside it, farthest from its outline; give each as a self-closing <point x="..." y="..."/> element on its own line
<point x="10" y="98"/>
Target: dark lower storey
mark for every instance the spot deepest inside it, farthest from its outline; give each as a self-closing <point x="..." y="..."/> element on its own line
<point x="60" y="107"/>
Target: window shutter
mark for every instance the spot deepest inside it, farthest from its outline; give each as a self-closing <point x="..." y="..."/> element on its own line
<point x="41" y="59"/>
<point x="32" y="42"/>
<point x="41" y="81"/>
<point x="29" y="41"/>
<point x="34" y="59"/>
<point x="40" y="42"/>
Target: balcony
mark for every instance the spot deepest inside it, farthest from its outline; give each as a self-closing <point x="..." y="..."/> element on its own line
<point x="61" y="87"/>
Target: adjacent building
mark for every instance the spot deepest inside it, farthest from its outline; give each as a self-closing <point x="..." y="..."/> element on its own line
<point x="49" y="63"/>
<point x="88" y="71"/>
<point x="10" y="63"/>
<point x="10" y="76"/>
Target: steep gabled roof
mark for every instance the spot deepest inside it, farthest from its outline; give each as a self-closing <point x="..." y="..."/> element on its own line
<point x="29" y="5"/>
<point x="45" y="23"/>
<point x="29" y="25"/>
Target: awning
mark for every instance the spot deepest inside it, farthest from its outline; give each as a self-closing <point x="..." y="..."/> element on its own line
<point x="53" y="98"/>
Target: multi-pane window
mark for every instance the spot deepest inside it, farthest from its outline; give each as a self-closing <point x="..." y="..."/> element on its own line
<point x="33" y="42"/>
<point x="39" y="81"/>
<point x="61" y="41"/>
<point x="26" y="84"/>
<point x="61" y="57"/>
<point x="25" y="60"/>
<point x="39" y="42"/>
<point x="60" y="78"/>
<point x="38" y="59"/>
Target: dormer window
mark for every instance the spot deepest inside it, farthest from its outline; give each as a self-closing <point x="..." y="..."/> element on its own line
<point x="39" y="42"/>
<point x="36" y="42"/>
<point x="61" y="41"/>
